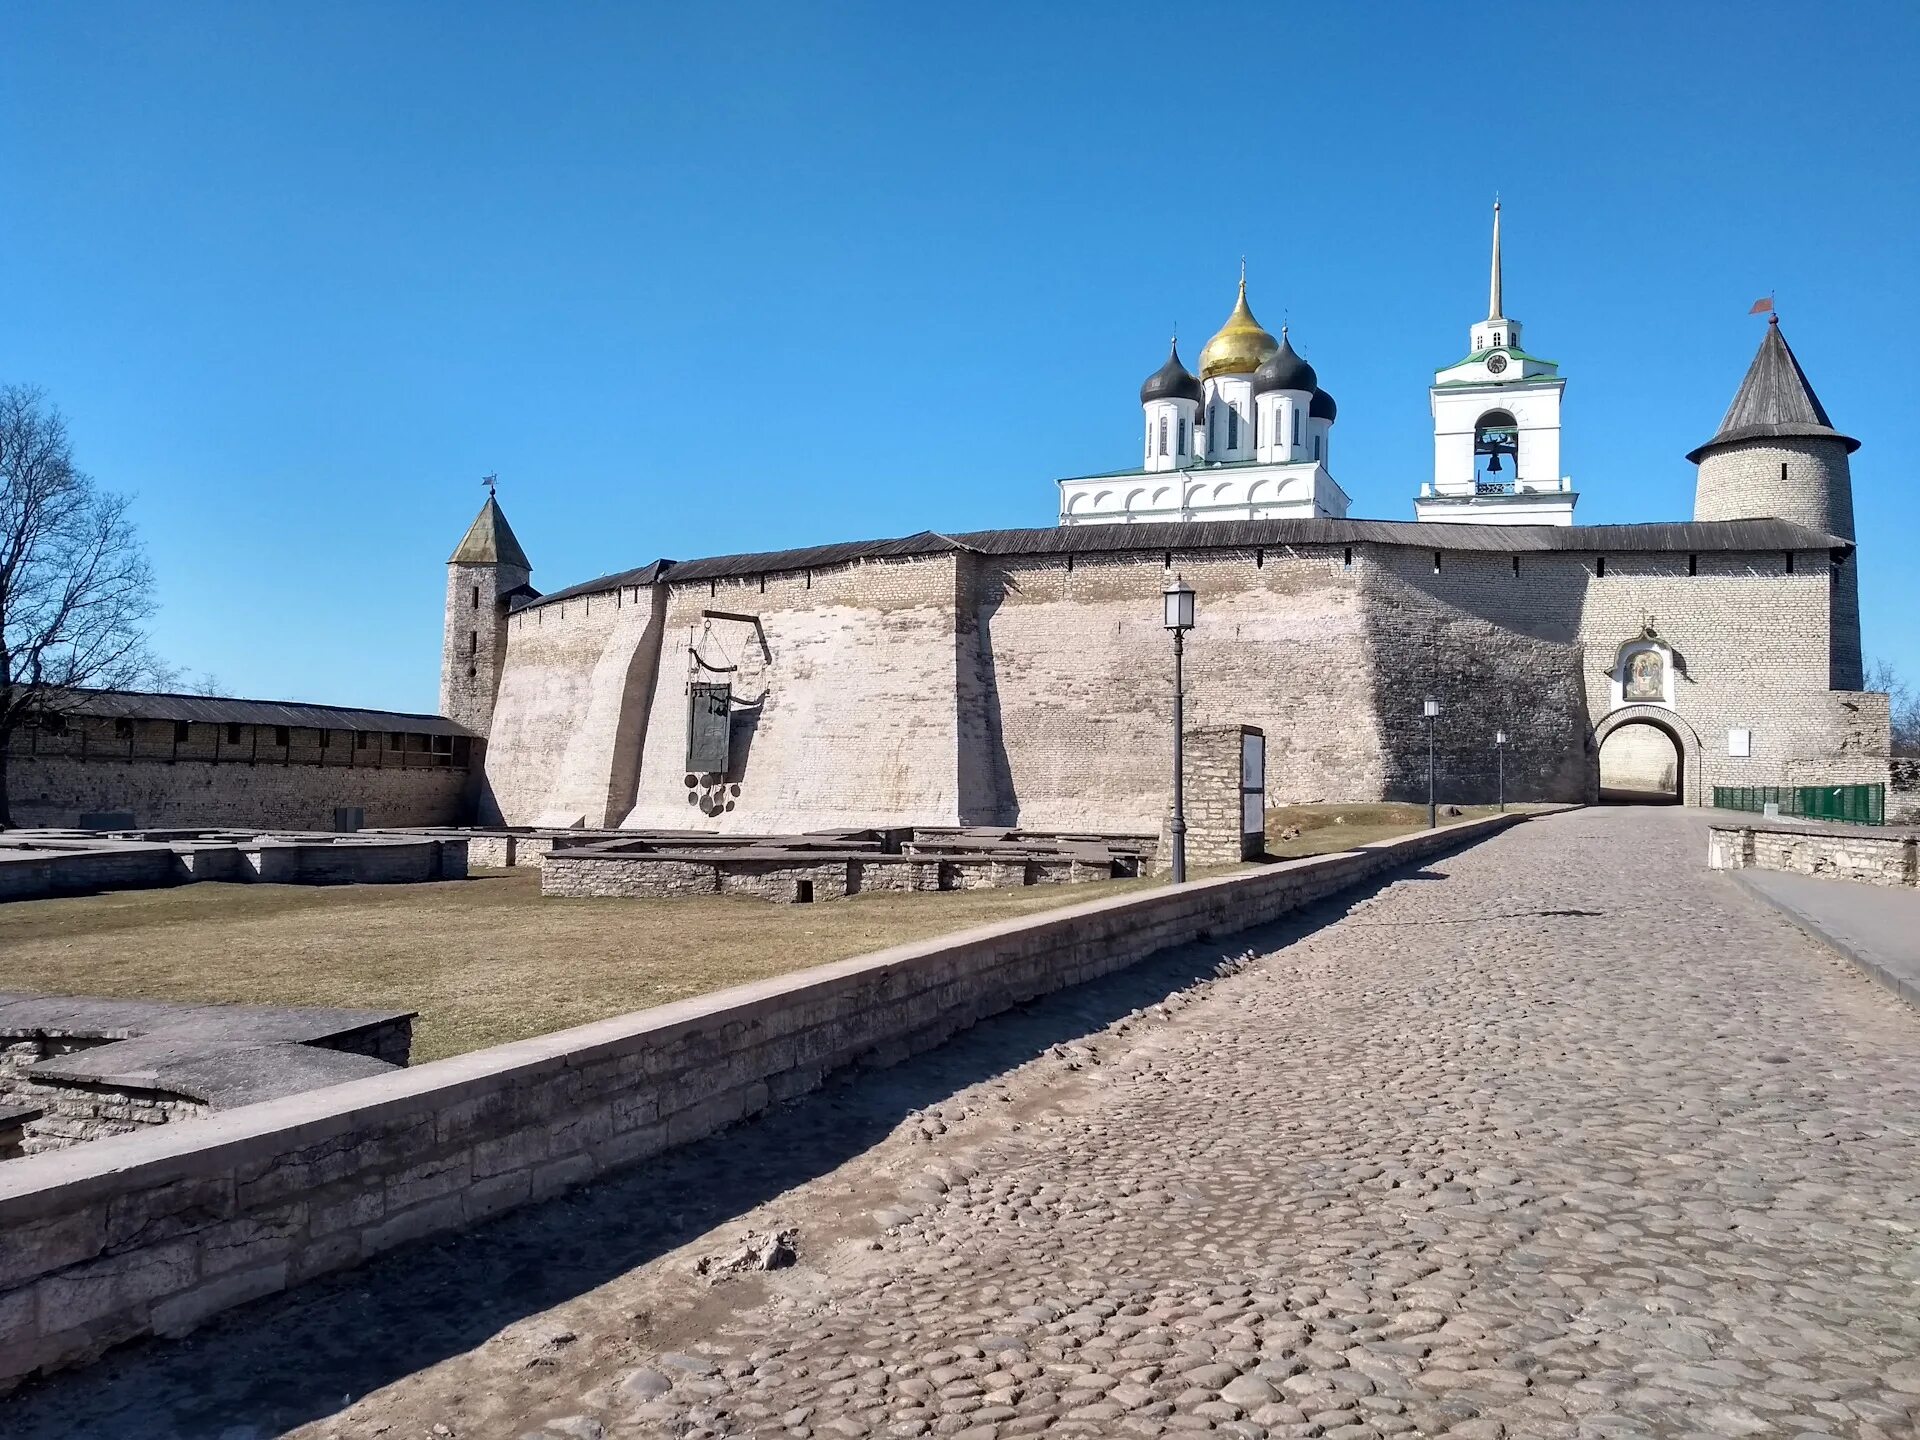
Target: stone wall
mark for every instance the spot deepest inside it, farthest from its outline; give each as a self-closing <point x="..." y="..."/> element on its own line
<point x="825" y="877"/>
<point x="1809" y="481"/>
<point x="962" y="688"/>
<point x="569" y="721"/>
<point x="1838" y="852"/>
<point x="52" y="791"/>
<point x="1903" y="792"/>
<point x="153" y="1233"/>
<point x="847" y="717"/>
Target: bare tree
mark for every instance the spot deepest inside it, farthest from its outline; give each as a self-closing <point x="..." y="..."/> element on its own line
<point x="1903" y="707"/>
<point x="75" y="586"/>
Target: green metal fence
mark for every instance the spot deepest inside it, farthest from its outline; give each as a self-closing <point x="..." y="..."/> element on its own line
<point x="1854" y="804"/>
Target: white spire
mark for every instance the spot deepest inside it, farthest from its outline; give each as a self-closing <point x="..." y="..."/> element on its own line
<point x="1493" y="286"/>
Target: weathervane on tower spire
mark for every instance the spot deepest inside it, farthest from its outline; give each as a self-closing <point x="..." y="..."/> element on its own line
<point x="490" y="481"/>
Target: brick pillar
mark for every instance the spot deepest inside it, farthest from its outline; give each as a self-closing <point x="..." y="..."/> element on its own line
<point x="1212" y="774"/>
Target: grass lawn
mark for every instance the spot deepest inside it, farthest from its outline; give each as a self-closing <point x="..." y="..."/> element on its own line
<point x="488" y="960"/>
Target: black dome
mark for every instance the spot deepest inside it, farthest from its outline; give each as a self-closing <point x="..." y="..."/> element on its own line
<point x="1284" y="370"/>
<point x="1322" y="407"/>
<point x="1170" y="382"/>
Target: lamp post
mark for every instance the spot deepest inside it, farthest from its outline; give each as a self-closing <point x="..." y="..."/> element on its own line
<point x="1177" y="597"/>
<point x="1500" y="756"/>
<point x="1432" y="710"/>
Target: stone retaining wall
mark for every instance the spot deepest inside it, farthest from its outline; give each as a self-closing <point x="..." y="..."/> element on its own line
<point x="667" y="875"/>
<point x="152" y="1233"/>
<point x="1872" y="856"/>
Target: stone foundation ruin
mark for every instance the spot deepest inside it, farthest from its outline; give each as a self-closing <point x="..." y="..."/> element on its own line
<point x="76" y="1068"/>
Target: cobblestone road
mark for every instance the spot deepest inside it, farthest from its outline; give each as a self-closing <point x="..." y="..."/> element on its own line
<point x="1564" y="1136"/>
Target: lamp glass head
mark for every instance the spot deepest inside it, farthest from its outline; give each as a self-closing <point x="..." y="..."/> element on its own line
<point x="1430" y="709"/>
<point x="1178" y="596"/>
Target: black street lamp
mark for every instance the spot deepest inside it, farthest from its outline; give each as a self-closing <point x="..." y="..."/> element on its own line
<point x="1178" y="599"/>
<point x="1500" y="754"/>
<point x="1432" y="711"/>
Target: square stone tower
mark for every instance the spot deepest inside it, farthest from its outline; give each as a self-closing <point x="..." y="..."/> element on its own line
<point x="487" y="573"/>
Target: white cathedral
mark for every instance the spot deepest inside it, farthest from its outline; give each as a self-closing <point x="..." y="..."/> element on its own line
<point x="1249" y="438"/>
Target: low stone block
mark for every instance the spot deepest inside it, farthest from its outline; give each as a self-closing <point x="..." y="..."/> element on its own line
<point x="252" y="1241"/>
<point x="44" y="1246"/>
<point x="181" y="1313"/>
<point x="497" y="1193"/>
<point x="428" y="1180"/>
<point x="510" y="1152"/>
<point x="145" y="1216"/>
<point x="116" y="1283"/>
<point x="431" y="1218"/>
<point x="557" y="1175"/>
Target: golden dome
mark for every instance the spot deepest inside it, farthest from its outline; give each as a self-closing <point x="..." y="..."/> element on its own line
<point x="1240" y="346"/>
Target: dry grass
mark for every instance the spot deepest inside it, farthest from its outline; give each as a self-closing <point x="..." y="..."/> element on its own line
<point x="488" y="960"/>
<point x="1325" y="828"/>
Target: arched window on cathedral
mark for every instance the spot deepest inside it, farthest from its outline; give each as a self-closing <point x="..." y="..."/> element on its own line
<point x="1316" y="447"/>
<point x="1233" y="428"/>
<point x="1163" y="434"/>
<point x="1296" y="425"/>
<point x="1182" y="436"/>
<point x="1496" y="452"/>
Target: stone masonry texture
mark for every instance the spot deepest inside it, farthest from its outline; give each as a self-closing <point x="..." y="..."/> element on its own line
<point x="140" y="1234"/>
<point x="958" y="688"/>
<point x="1488" y="1152"/>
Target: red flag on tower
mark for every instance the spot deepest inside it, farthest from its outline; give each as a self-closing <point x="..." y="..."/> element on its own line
<point x="1762" y="306"/>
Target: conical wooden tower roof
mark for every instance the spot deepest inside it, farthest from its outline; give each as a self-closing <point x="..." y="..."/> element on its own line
<point x="1775" y="400"/>
<point x="489" y="541"/>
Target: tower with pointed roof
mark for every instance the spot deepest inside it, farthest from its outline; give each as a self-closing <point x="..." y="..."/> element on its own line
<point x="1496" y="427"/>
<point x="1777" y="455"/>
<point x="487" y="573"/>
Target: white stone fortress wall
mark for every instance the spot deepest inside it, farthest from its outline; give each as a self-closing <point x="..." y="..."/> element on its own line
<point x="1027" y="680"/>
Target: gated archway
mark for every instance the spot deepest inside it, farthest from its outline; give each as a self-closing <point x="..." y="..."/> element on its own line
<point x="1686" y="746"/>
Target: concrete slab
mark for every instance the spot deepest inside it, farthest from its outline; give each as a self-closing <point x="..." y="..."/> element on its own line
<point x="1874" y="926"/>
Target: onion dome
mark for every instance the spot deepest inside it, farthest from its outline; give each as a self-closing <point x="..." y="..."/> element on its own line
<point x="1240" y="345"/>
<point x="1284" y="370"/>
<point x="1322" y="407"/>
<point x="1171" y="381"/>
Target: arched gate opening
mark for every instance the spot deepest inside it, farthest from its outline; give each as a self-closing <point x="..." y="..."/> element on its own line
<point x="1642" y="763"/>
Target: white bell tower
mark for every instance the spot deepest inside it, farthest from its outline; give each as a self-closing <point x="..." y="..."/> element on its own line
<point x="1496" y="428"/>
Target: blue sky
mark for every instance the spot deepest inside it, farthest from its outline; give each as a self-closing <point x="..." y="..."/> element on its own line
<point x="695" y="280"/>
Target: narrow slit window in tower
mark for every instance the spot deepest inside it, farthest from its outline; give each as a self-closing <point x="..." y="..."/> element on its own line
<point x="1233" y="428"/>
<point x="1599" y="566"/>
<point x="1693" y="564"/>
<point x="1436" y="562"/>
<point x="1163" y="434"/>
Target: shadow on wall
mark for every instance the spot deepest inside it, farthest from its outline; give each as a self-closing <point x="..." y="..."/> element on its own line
<point x="1497" y="655"/>
<point x="985" y="774"/>
<point x="288" y="1361"/>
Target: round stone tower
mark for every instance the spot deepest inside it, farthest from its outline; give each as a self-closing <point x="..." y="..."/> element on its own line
<point x="1777" y="455"/>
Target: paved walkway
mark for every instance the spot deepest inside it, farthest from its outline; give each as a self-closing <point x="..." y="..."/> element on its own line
<point x="1563" y="1136"/>
<point x="1877" y="925"/>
